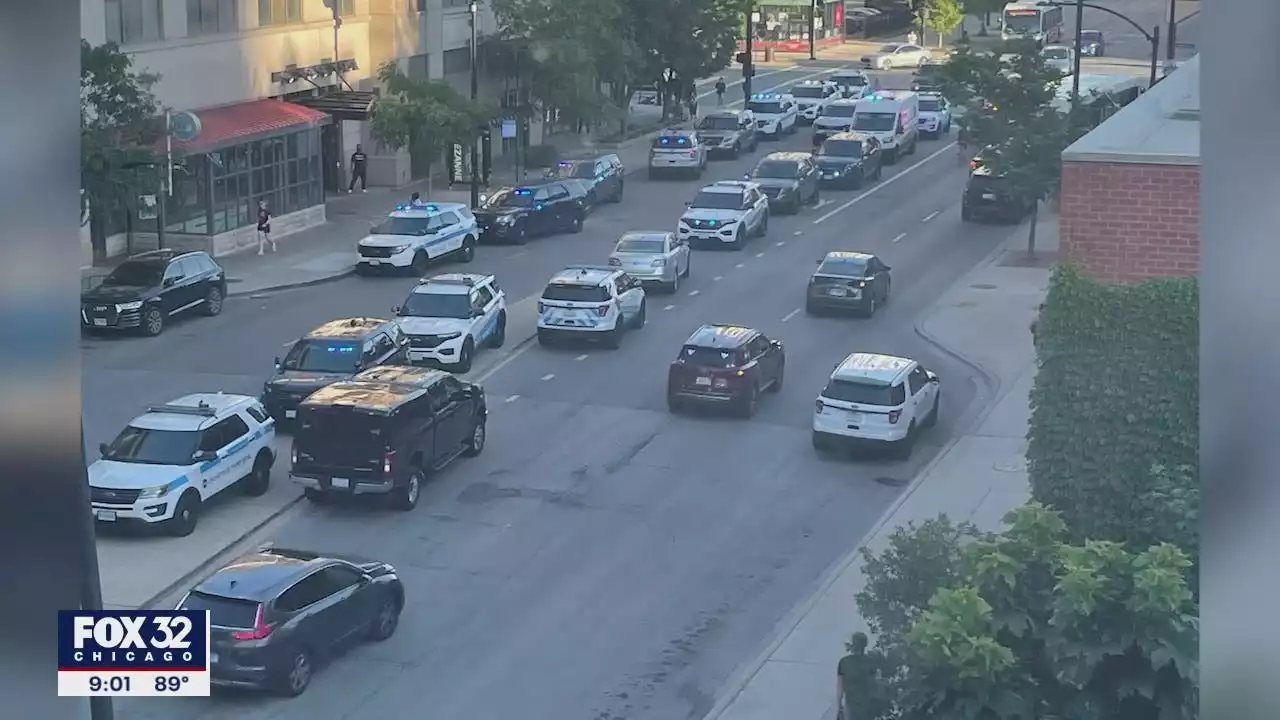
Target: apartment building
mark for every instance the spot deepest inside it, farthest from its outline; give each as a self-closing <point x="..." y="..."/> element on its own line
<point x="281" y="94"/>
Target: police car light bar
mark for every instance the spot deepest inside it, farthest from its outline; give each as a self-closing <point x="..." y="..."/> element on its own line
<point x="766" y="96"/>
<point x="604" y="268"/>
<point x="202" y="410"/>
<point x="411" y="206"/>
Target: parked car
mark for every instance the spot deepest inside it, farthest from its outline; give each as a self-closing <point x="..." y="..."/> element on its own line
<point x="147" y="289"/>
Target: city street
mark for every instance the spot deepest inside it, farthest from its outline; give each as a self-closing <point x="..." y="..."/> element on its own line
<point x="602" y="559"/>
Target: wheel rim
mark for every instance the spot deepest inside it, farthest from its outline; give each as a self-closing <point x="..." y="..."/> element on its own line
<point x="412" y="494"/>
<point x="469" y="251"/>
<point x="477" y="437"/>
<point x="300" y="673"/>
<point x="154" y="321"/>
<point x="215" y="301"/>
<point x="387" y="618"/>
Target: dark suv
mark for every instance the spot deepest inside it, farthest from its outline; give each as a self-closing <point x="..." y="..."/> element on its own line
<point x="384" y="432"/>
<point x="849" y="159"/>
<point x="789" y="179"/>
<point x="601" y="174"/>
<point x="276" y="613"/>
<point x="515" y="214"/>
<point x="336" y="350"/>
<point x="988" y="195"/>
<point x="147" y="289"/>
<point x="725" y="365"/>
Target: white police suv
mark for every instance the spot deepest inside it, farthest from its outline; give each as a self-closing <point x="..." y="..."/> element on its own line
<point x="679" y="151"/>
<point x="414" y="235"/>
<point x="590" y="302"/>
<point x="836" y="117"/>
<point x="811" y="96"/>
<point x="727" y="213"/>
<point x="935" y="115"/>
<point x="448" y="317"/>
<point x="876" y="399"/>
<point x="168" y="461"/>
<point x="776" y="113"/>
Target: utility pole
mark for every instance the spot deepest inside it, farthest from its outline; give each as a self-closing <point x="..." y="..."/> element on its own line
<point x="748" y="57"/>
<point x="100" y="707"/>
<point x="1075" y="61"/>
<point x="475" y="96"/>
<point x="813" y="26"/>
<point x="1172" y="51"/>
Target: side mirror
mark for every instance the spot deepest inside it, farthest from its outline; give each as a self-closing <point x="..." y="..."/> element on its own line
<point x="777" y="344"/>
<point x="484" y="198"/>
<point x="396" y="309"/>
<point x="887" y="268"/>
<point x="935" y="379"/>
<point x="205" y="456"/>
<point x="688" y="203"/>
<point x="460" y="395"/>
<point x="277" y="362"/>
<point x="170" y="281"/>
<point x="477" y="312"/>
<point x="104" y="449"/>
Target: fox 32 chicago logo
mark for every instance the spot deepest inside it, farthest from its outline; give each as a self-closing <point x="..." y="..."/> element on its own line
<point x="141" y="640"/>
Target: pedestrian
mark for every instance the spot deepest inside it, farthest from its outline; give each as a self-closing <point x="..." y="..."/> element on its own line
<point x="856" y="682"/>
<point x="693" y="104"/>
<point x="359" y="168"/>
<point x="720" y="88"/>
<point x="912" y="38"/>
<point x="415" y="199"/>
<point x="264" y="228"/>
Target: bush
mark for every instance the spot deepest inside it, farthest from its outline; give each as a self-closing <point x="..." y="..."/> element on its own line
<point x="1114" y="428"/>
<point x="541" y="156"/>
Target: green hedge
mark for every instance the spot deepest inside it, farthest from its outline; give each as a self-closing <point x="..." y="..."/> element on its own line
<point x="1115" y="409"/>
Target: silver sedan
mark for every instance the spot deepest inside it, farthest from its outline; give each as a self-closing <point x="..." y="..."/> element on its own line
<point x="896" y="55"/>
<point x="653" y="257"/>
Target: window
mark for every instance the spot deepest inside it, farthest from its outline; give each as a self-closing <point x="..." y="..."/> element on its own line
<point x="223" y="433"/>
<point x="223" y="612"/>
<point x="346" y="8"/>
<point x="341" y="577"/>
<point x="257" y="413"/>
<point x="437" y="305"/>
<point x="918" y="379"/>
<point x="457" y="60"/>
<point x="308" y="591"/>
<point x="382" y="345"/>
<point x="210" y="17"/>
<point x="130" y="22"/>
<point x="717" y="201"/>
<point x="174" y="272"/>
<point x="153" y="447"/>
<point x="575" y="293"/>
<point x="759" y="346"/>
<point x="712" y="357"/>
<point x="484" y="296"/>
<point x="438" y="397"/>
<point x="448" y="219"/>
<point x="282" y="171"/>
<point x="865" y="393"/>
<point x="326" y="356"/>
<point x="279" y="12"/>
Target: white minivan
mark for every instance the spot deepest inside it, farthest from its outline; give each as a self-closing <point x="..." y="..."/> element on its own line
<point x="892" y="118"/>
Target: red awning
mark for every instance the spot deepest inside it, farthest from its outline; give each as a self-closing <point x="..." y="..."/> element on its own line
<point x="257" y="120"/>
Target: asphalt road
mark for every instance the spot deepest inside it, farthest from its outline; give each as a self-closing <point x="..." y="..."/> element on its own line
<point x="602" y="560"/>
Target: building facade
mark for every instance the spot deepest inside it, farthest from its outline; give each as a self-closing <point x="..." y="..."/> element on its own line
<point x="1130" y="202"/>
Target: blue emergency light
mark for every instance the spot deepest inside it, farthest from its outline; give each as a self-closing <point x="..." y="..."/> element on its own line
<point x="566" y="164"/>
<point x="766" y="96"/>
<point x="523" y="191"/>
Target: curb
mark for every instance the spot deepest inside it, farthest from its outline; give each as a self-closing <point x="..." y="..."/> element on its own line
<point x="743" y="675"/>
<point x="292" y="285"/>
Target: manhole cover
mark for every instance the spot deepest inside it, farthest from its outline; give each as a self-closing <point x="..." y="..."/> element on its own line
<point x="891" y="481"/>
<point x="983" y="286"/>
<point x="1011" y="466"/>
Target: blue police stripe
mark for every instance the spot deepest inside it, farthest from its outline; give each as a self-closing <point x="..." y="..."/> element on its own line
<point x="447" y="237"/>
<point x="237" y="448"/>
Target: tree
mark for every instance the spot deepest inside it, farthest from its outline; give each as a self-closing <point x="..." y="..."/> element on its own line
<point x="120" y="127"/>
<point x="1023" y="624"/>
<point x="942" y="16"/>
<point x="982" y="9"/>
<point x="425" y="116"/>
<point x="679" y="41"/>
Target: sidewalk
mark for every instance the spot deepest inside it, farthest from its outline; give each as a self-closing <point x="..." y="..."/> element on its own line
<point x="979" y="476"/>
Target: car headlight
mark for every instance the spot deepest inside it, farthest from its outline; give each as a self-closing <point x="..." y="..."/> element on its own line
<point x="129" y="306"/>
<point x="399" y="249"/>
<point x="505" y="219"/>
<point x="450" y="336"/>
<point x="158" y="491"/>
<point x="835" y="173"/>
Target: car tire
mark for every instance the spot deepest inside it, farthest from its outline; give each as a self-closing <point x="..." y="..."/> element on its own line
<point x="674" y="406"/>
<point x="576" y="223"/>
<point x="819" y="442"/>
<point x="871" y="307"/>
<point x="641" y="317"/>
<point x="521" y="234"/>
<point x="186" y="516"/>
<point x="617" y="197"/>
<point x="406" y="498"/>
<point x="902" y="449"/>
<point x="314" y="495"/>
<point x="810" y="308"/>
<point x="421" y="264"/>
<point x="152" y="321"/>
<point x="884" y="296"/>
<point x="735" y="152"/>
<point x="386" y="621"/>
<point x="653" y="174"/>
<point x="466" y="355"/>
<point x="817" y="196"/>
<point x="739" y="240"/>
<point x="294" y="676"/>
<point x="258" y="481"/>
<point x="614" y="341"/>
<point x="891" y="157"/>
<point x="751" y="403"/>
<point x="933" y="412"/>
<point x="777" y="382"/>
<point x="544" y="339"/>
<point x="476" y="443"/>
<point x="688" y="267"/>
<point x="591" y="199"/>
<point x="361" y="270"/>
<point x="966" y="215"/>
<point x="500" y="332"/>
<point x="764" y="224"/>
<point x="859" y="180"/>
<point x="672" y="287"/>
<point x="213" y="302"/>
<point x="468" y="251"/>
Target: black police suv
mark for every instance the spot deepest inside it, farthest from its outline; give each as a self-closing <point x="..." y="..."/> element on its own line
<point x="849" y="159"/>
<point x="726" y="366"/>
<point x="147" y="289"/>
<point x="789" y="179"/>
<point x="848" y="281"/>
<point x="603" y="176"/>
<point x="515" y="214"/>
<point x="276" y="614"/>
<point x="335" y="351"/>
<point x="384" y="432"/>
<point x="989" y="195"/>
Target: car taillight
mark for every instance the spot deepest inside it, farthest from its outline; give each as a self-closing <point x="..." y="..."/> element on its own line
<point x="388" y="462"/>
<point x="819" y="406"/>
<point x="293" y="453"/>
<point x="261" y="630"/>
<point x="693" y="153"/>
<point x="660" y="262"/>
<point x="602" y="310"/>
<point x="893" y="416"/>
<point x="542" y="308"/>
<point x="973" y="164"/>
<point x="615" y="261"/>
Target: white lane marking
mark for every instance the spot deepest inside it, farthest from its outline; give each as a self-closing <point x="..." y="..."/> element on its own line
<point x="798" y="233"/>
<point x="791" y="314"/>
<point x="517" y="254"/>
<point x="739" y="265"/>
<point x="669" y="308"/>
<point x="883" y="184"/>
<point x="900" y="237"/>
<point x="780" y="243"/>
<point x="511" y="399"/>
<point x="718" y="278"/>
<point x="548" y="376"/>
<point x="582" y="357"/>
<point x="822" y="203"/>
<point x="759" y="254"/>
<point x="693" y="293"/>
<point x="930" y="216"/>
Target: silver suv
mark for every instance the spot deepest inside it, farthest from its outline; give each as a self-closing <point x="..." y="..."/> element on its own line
<point x="729" y="132"/>
<point x="678" y="151"/>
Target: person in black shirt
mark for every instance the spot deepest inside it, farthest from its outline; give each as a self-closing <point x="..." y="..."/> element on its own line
<point x="264" y="228"/>
<point x="359" y="163"/>
<point x="720" y="88"/>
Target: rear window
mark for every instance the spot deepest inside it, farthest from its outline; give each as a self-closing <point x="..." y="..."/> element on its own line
<point x="865" y="393"/>
<point x="710" y="357"/>
<point x="930" y="105"/>
<point x="575" y="293"/>
<point x="223" y="611"/>
<point x="339" y="436"/>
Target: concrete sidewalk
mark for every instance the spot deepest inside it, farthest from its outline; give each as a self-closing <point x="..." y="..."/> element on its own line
<point x="980" y="475"/>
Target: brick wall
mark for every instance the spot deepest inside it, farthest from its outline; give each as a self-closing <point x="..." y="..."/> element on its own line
<point x="1125" y="222"/>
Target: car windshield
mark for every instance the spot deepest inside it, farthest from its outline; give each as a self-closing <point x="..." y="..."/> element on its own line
<point x="575" y="293"/>
<point x="326" y="356"/>
<point x="340" y="436"/>
<point x="844" y="267"/>
<point x="717" y="201"/>
<point x="709" y="357"/>
<point x="841" y="111"/>
<point x="864" y="393"/>
<point x="718" y="123"/>
<point x="413" y="226"/>
<point x="849" y="80"/>
<point x="874" y="121"/>
<point x="1090" y="36"/>
<point x="777" y="169"/>
<point x="1056" y="54"/>
<point x="153" y="447"/>
<point x="765" y="108"/>
<point x="437" y="305"/>
<point x="841" y="148"/>
<point x="582" y="170"/>
<point x="1027" y="23"/>
<point x="223" y="612"/>
<point x="807" y="91"/>
<point x="930" y="105"/>
<point x="888" y="48"/>
<point x="137" y="274"/>
<point x="510" y="199"/>
<point x="642" y="245"/>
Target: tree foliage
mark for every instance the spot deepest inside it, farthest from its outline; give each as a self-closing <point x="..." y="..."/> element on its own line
<point x="983" y="8"/>
<point x="1025" y="624"/>
<point x="1114" y="436"/>
<point x="943" y="16"/>
<point x="120" y="126"/>
<point x="425" y="116"/>
<point x="685" y="39"/>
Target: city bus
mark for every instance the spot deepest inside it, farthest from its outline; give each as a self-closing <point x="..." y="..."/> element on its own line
<point x="1021" y="21"/>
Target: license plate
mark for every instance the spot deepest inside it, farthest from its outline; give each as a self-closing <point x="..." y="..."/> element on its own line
<point x="703" y="381"/>
<point x="290" y="414"/>
<point x="837" y="292"/>
<point x="105" y="515"/>
<point x="988" y="196"/>
<point x="100" y="322"/>
<point x="340" y="483"/>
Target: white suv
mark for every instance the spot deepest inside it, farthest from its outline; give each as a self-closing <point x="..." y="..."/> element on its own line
<point x="169" y="461"/>
<point x="590" y="302"/>
<point x="415" y="235"/>
<point x="448" y="317"/>
<point x="727" y="213"/>
<point x="876" y="399"/>
<point x="677" y="151"/>
<point x="812" y="96"/>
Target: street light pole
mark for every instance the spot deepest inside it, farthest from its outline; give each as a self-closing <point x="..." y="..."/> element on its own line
<point x="1155" y="53"/>
<point x="1075" y="61"/>
<point x="473" y="8"/>
<point x="813" y="26"/>
<point x="749" y="67"/>
<point x="100" y="707"/>
<point x="1152" y="37"/>
<point x="1172" y="51"/>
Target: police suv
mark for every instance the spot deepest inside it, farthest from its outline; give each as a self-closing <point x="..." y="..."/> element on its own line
<point x="775" y="113"/>
<point x="414" y="235"/>
<point x="727" y="213"/>
<point x="590" y="302"/>
<point x="448" y="317"/>
<point x="675" y="150"/>
<point x="935" y="114"/>
<point x="836" y="117"/>
<point x="170" y="460"/>
<point x="874" y="399"/>
<point x="853" y="84"/>
<point x="811" y="96"/>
